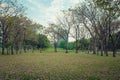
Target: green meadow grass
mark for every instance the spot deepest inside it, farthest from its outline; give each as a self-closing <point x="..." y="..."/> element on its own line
<point x="59" y="66"/>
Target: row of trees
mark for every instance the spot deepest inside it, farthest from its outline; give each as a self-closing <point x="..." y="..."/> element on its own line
<point x="17" y="31"/>
<point x="97" y="20"/>
<point x="93" y="20"/>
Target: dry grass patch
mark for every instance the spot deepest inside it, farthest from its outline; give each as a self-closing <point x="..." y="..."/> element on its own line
<point x="59" y="66"/>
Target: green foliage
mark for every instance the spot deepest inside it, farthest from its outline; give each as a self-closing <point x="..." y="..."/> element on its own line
<point x="31" y="43"/>
<point x="43" y="42"/>
<point x="62" y="45"/>
<point x="83" y="44"/>
<point x="111" y="6"/>
<point x="71" y="45"/>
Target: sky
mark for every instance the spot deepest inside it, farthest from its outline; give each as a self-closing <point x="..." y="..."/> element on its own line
<point x="46" y="11"/>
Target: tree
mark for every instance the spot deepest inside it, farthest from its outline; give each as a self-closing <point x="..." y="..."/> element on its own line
<point x="42" y="42"/>
<point x="86" y="14"/>
<point x="52" y="32"/>
<point x="112" y="10"/>
<point x="64" y="25"/>
<point x="76" y="27"/>
<point x="11" y="8"/>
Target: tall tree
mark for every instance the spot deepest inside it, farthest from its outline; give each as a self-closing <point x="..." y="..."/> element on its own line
<point x="86" y="14"/>
<point x="65" y="25"/>
<point x="52" y="32"/>
<point x="112" y="11"/>
<point x="8" y="9"/>
<point x="42" y="42"/>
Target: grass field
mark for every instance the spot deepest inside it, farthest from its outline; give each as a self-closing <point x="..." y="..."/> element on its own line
<point x="59" y="66"/>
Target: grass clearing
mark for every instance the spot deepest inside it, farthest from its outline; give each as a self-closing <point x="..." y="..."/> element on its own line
<point x="59" y="66"/>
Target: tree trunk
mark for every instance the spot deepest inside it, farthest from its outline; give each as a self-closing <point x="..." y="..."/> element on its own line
<point x="105" y="47"/>
<point x="3" y="38"/>
<point x="94" y="46"/>
<point x="17" y="49"/>
<point x="101" y="47"/>
<point x="55" y="47"/>
<point x="3" y="44"/>
<point x="114" y="50"/>
<point x="3" y="47"/>
<point x="24" y="43"/>
<point x="24" y="49"/>
<point x="114" y="53"/>
<point x="66" y="49"/>
<point x="66" y="46"/>
<point x="20" y="48"/>
<point x="76" y="46"/>
<point x="7" y="50"/>
<point x="101" y="50"/>
<point x="113" y="45"/>
<point x="106" y="52"/>
<point x="77" y="34"/>
<point x="12" y="50"/>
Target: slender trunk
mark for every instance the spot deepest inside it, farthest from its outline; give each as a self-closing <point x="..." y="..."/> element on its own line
<point x="114" y="49"/>
<point x="106" y="52"/>
<point x="7" y="50"/>
<point x="76" y="46"/>
<point x="101" y="47"/>
<point x="24" y="49"/>
<point x="112" y="40"/>
<point x="3" y="47"/>
<point x="24" y="43"/>
<point x="77" y="29"/>
<point x="67" y="45"/>
<point x="17" y="49"/>
<point x="55" y="47"/>
<point x="66" y="48"/>
<point x="101" y="50"/>
<point x="3" y="44"/>
<point x="114" y="52"/>
<point x="113" y="46"/>
<point x="12" y="50"/>
<point x="105" y="47"/>
<point x="3" y="38"/>
<point x="94" y="46"/>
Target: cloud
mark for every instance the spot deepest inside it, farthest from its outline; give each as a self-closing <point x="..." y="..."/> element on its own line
<point x="75" y="1"/>
<point x="37" y="5"/>
<point x="53" y="10"/>
<point x="44" y="14"/>
<point x="49" y="13"/>
<point x="56" y="7"/>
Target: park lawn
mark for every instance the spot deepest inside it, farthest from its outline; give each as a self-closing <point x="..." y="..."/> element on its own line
<point x="59" y="66"/>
